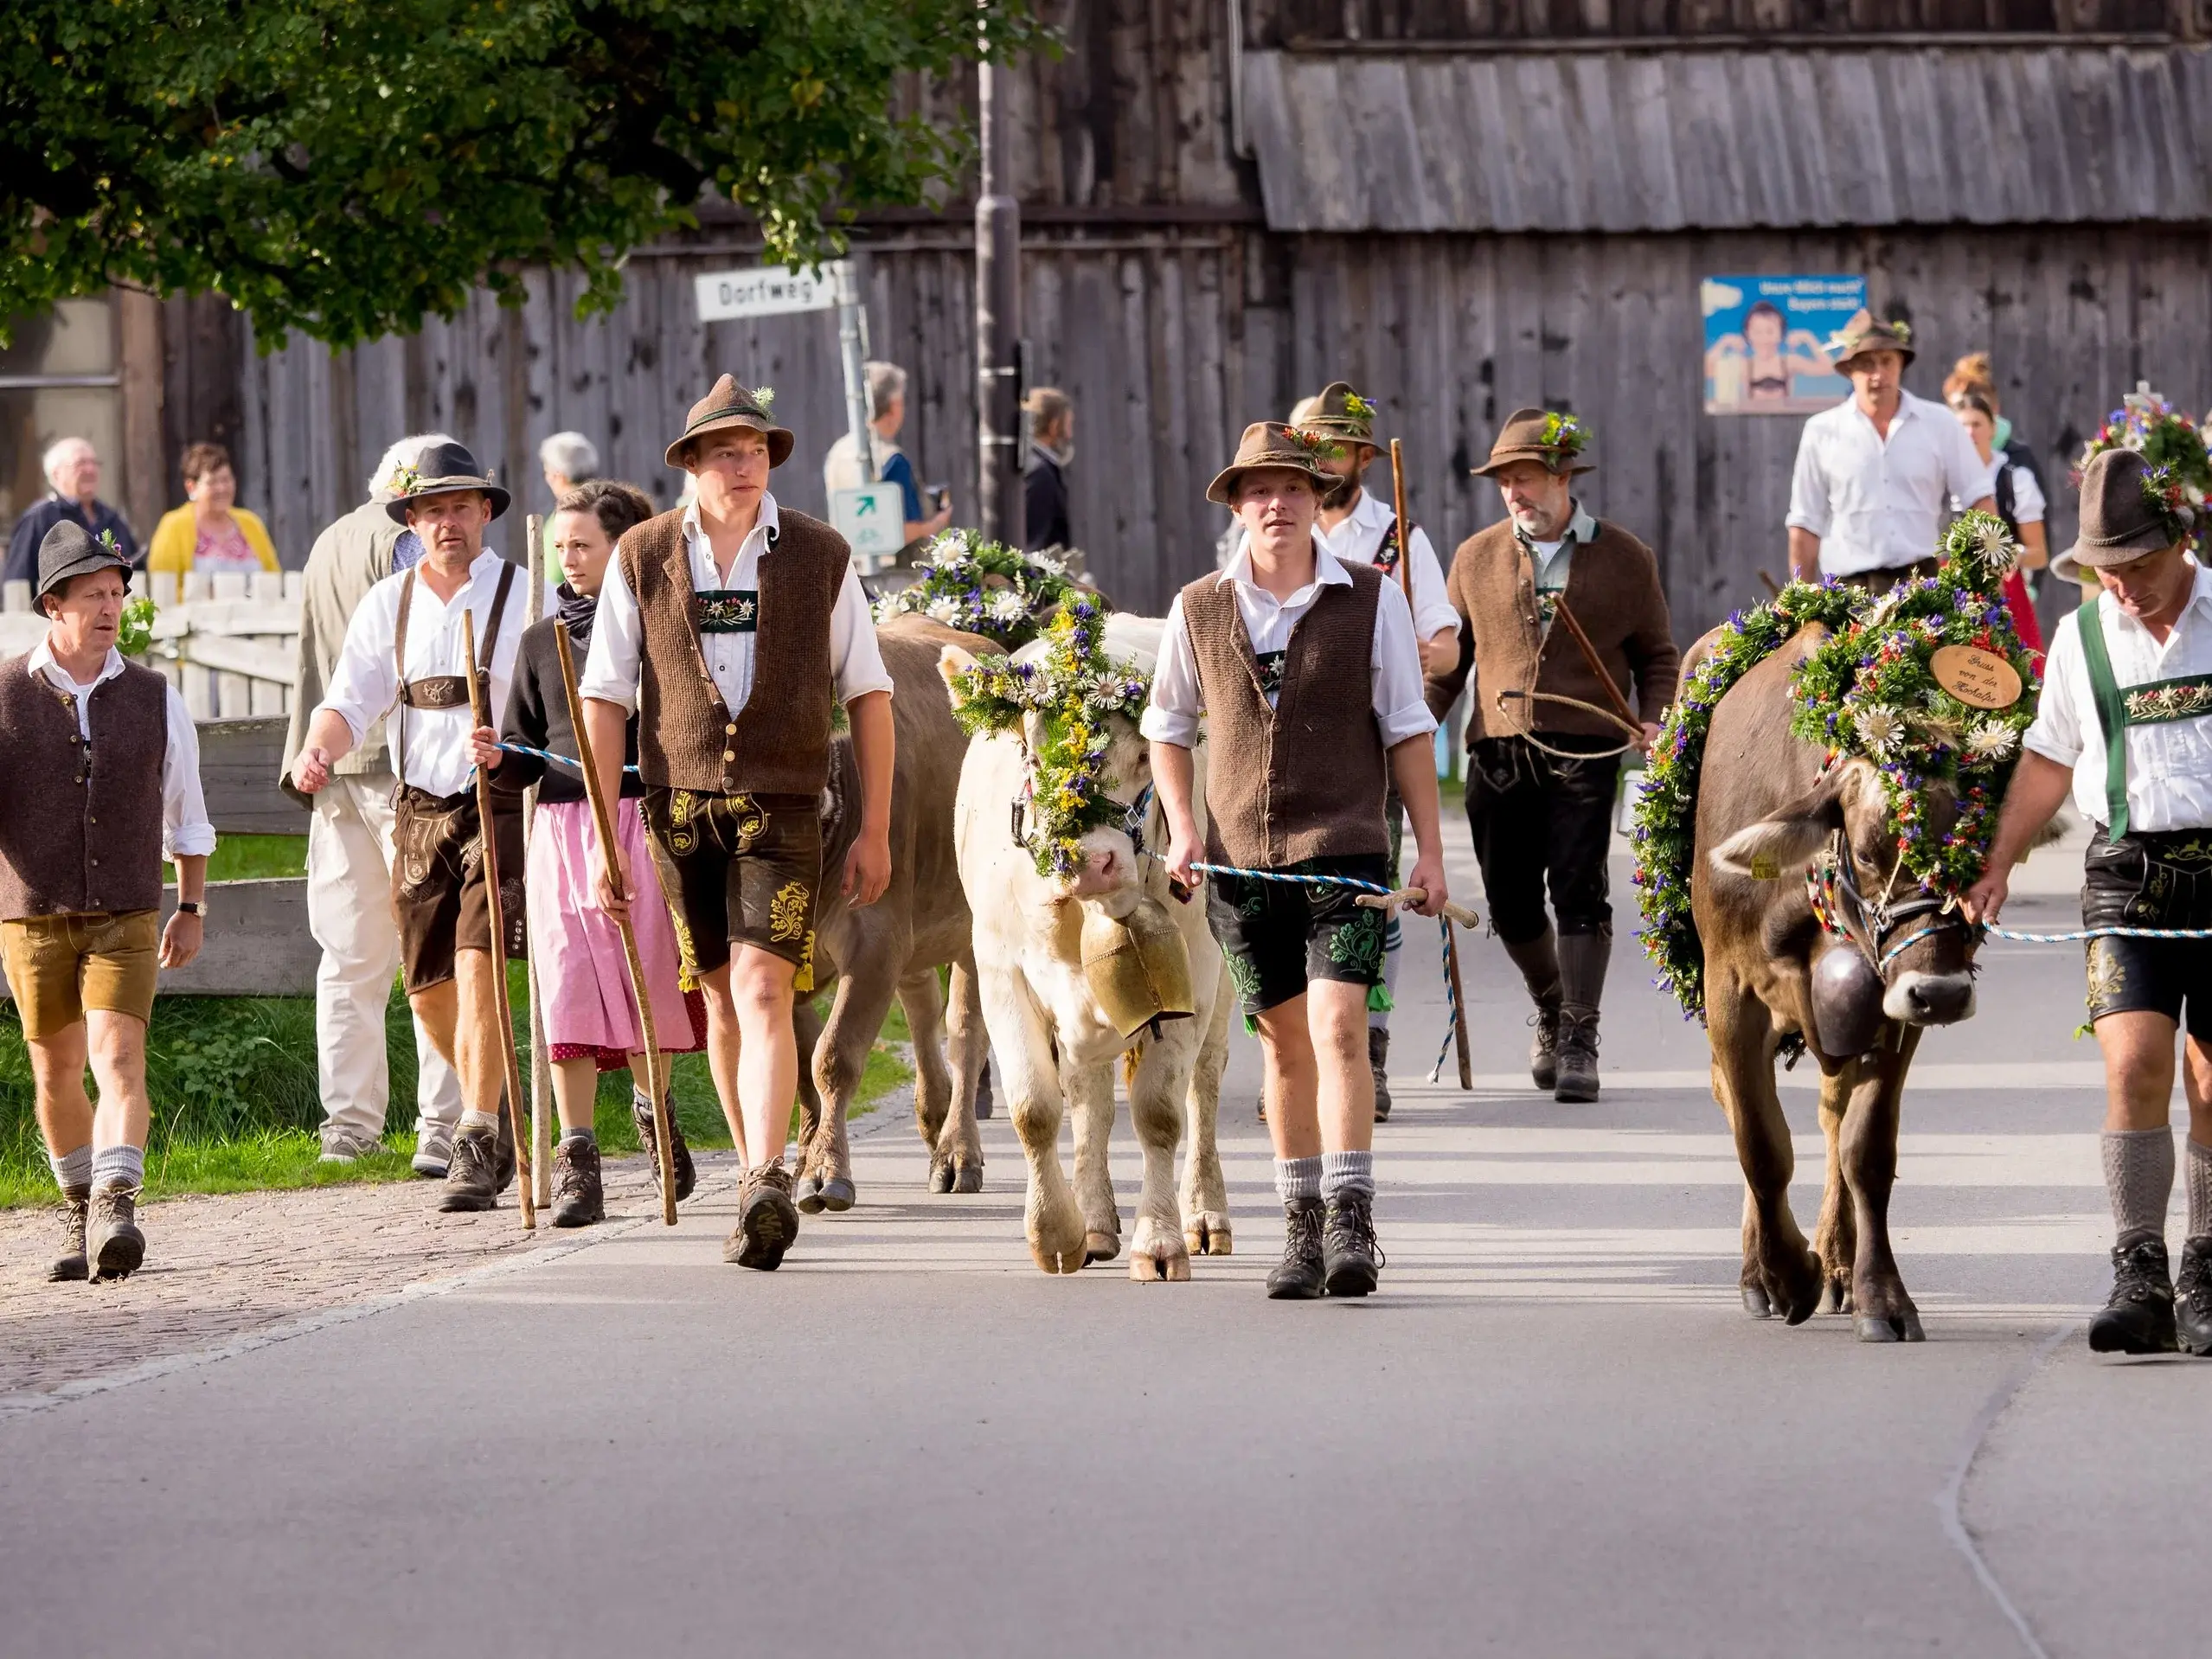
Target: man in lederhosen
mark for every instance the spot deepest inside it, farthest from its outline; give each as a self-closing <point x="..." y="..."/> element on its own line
<point x="734" y="628"/>
<point x="404" y="658"/>
<point x="1542" y="775"/>
<point x="2125" y="712"/>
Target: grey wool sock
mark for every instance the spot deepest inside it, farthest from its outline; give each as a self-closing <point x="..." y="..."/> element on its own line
<point x="2200" y="1191"/>
<point x="2139" y="1178"/>
<point x="120" y="1166"/>
<point x="588" y="1135"/>
<point x="1348" y="1173"/>
<point x="478" y="1123"/>
<point x="72" y="1171"/>
<point x="1297" y="1178"/>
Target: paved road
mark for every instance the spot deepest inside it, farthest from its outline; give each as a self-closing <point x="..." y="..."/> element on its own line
<point x="1555" y="1434"/>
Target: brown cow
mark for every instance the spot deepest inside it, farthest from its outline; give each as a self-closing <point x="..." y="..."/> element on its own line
<point x="895" y="946"/>
<point x="1764" y="805"/>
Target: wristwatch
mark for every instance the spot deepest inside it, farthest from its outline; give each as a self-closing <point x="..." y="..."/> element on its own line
<point x="192" y="908"/>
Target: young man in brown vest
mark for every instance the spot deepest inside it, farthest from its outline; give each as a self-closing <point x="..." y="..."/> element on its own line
<point x="1263" y="651"/>
<point x="404" y="658"/>
<point x="103" y="768"/>
<point x="734" y="628"/>
<point x="1542" y="776"/>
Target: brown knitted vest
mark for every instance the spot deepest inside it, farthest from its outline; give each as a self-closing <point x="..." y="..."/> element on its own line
<point x="779" y="743"/>
<point x="80" y="828"/>
<point x="1305" y="779"/>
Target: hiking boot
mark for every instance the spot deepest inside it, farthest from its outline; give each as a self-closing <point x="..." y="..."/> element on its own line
<point x="1538" y="961"/>
<point x="469" y="1179"/>
<point x="579" y="1198"/>
<point x="348" y="1145"/>
<point x="1378" y="1061"/>
<point x="1543" y="1047"/>
<point x="503" y="1167"/>
<point x="71" y="1265"/>
<point x="2139" y="1318"/>
<point x="767" y="1220"/>
<point x="2193" y="1298"/>
<point x="433" y="1151"/>
<point x="1577" y="1077"/>
<point x="1297" y="1278"/>
<point x="113" y="1245"/>
<point x="641" y="1114"/>
<point x="1351" y="1260"/>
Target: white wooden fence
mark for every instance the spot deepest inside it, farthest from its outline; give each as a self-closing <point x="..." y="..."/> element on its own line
<point x="230" y="642"/>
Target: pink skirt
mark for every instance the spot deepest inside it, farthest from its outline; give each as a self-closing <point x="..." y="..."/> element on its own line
<point x="583" y="977"/>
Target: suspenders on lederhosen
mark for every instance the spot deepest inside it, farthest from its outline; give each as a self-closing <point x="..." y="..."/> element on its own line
<point x="1388" y="552"/>
<point x="438" y="690"/>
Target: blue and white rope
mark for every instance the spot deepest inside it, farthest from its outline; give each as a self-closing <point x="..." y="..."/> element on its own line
<point x="546" y="754"/>
<point x="2080" y="934"/>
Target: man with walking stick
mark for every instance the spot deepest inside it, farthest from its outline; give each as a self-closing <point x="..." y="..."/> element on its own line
<point x="1561" y="617"/>
<point x="409" y="653"/>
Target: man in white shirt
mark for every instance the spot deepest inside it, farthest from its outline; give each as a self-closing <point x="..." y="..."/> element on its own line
<point x="1875" y="473"/>
<point x="103" y="771"/>
<point x="734" y="629"/>
<point x="405" y="656"/>
<point x="2124" y="726"/>
<point x="1263" y="651"/>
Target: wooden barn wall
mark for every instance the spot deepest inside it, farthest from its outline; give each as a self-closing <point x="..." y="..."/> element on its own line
<point x="1293" y="22"/>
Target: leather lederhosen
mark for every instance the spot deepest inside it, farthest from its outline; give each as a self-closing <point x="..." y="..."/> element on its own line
<point x="439" y="690"/>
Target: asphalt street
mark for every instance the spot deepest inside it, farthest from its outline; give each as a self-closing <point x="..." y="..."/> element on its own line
<point x="1554" y="1432"/>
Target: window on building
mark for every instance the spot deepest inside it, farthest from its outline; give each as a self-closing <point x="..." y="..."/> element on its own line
<point x="61" y="377"/>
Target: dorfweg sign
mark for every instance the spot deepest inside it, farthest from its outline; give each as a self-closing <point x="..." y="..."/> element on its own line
<point x="769" y="291"/>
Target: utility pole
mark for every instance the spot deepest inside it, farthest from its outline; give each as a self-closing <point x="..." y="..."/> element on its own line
<point x="852" y="345"/>
<point x="998" y="323"/>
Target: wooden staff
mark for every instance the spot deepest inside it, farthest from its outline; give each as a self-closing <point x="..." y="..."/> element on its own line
<point x="525" y="1188"/>
<point x="540" y="1055"/>
<point x="1598" y="669"/>
<point x="655" y="1068"/>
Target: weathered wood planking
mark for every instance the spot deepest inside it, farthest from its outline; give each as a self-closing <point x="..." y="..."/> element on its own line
<point x="1284" y="22"/>
<point x="239" y="761"/>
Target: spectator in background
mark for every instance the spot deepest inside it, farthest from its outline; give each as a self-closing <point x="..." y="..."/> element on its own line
<point x="72" y="468"/>
<point x="886" y="412"/>
<point x="569" y="459"/>
<point x="2018" y="495"/>
<point x="210" y="531"/>
<point x="1051" y="446"/>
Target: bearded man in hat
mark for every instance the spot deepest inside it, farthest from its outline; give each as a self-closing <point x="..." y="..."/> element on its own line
<point x="404" y="658"/>
<point x="1876" y="473"/>
<point x="2122" y="725"/>
<point x="1263" y="652"/>
<point x="103" y="765"/>
<point x="1360" y="528"/>
<point x="1543" y="748"/>
<point x="734" y="629"/>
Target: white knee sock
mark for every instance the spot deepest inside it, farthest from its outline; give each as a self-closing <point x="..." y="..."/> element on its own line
<point x="2139" y="1178"/>
<point x="120" y="1166"/>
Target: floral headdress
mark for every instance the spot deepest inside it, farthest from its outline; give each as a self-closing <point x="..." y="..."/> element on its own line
<point x="985" y="588"/>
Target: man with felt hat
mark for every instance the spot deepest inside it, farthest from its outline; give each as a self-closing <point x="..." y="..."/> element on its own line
<point x="2125" y="726"/>
<point x="1544" y="732"/>
<point x="734" y="629"/>
<point x="102" y="764"/>
<point x="405" y="657"/>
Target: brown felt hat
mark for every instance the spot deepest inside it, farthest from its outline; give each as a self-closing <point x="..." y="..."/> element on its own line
<point x="730" y="405"/>
<point x="1544" y="436"/>
<point x="2121" y="520"/>
<point x="444" y="469"/>
<point x="1864" y="333"/>
<point x="1338" y="414"/>
<point x="1270" y="444"/>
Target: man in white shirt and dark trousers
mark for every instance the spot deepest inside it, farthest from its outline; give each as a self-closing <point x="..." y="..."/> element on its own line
<point x="1875" y="473"/>
<point x="404" y="658"/>
<point x="2124" y="726"/>
<point x="1263" y="651"/>
<point x="102" y="764"/>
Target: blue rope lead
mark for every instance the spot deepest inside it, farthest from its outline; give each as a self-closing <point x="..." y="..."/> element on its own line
<point x="2081" y="933"/>
<point x="546" y="754"/>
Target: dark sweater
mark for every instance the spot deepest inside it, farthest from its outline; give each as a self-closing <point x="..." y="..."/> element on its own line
<point x="537" y="713"/>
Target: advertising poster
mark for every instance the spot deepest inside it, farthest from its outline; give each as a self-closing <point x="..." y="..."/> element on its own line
<point x="1766" y="340"/>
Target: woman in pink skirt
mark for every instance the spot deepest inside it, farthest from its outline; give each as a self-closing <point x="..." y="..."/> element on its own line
<point x="591" y="1019"/>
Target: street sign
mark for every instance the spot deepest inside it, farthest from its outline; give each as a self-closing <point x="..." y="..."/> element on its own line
<point x="768" y="291"/>
<point x="872" y="519"/>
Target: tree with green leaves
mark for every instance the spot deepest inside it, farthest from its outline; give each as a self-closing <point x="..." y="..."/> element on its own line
<point x="346" y="167"/>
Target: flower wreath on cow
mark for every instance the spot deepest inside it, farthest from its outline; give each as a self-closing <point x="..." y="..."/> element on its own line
<point x="1880" y="686"/>
<point x="987" y="588"/>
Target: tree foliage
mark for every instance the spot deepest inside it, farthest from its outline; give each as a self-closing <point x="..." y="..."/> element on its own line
<point x="346" y="167"/>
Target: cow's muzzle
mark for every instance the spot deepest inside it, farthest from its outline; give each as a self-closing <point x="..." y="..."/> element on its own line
<point x="1916" y="998"/>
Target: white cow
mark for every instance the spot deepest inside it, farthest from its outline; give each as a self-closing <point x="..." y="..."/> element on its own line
<point x="1053" y="1042"/>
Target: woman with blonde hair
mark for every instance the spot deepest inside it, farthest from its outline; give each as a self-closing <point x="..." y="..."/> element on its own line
<point x="210" y="531"/>
<point x="1970" y="390"/>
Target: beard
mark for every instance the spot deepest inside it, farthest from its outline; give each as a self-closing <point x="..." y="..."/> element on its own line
<point x="1339" y="491"/>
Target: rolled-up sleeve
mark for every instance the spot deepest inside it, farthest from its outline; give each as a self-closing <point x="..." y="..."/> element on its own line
<point x="2055" y="733"/>
<point x="1433" y="611"/>
<point x="856" y="661"/>
<point x="611" y="666"/>
<point x="364" y="686"/>
<point x="1172" y="713"/>
<point x="1401" y="707"/>
<point x="1809" y="507"/>
<point x="185" y="831"/>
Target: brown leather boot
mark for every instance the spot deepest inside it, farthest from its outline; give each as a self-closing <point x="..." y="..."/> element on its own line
<point x="1582" y="959"/>
<point x="1538" y="961"/>
<point x="113" y="1245"/>
<point x="71" y="1266"/>
<point x="767" y="1219"/>
<point x="471" y="1183"/>
<point x="579" y="1195"/>
<point x="641" y="1115"/>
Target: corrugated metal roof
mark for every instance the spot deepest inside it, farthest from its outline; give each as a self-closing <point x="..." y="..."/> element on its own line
<point x="1679" y="140"/>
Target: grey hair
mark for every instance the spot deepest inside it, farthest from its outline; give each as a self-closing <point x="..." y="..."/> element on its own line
<point x="406" y="452"/>
<point x="886" y="384"/>
<point x="55" y="452"/>
<point x="571" y="455"/>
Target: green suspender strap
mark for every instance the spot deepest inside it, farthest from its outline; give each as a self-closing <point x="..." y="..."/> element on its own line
<point x="2112" y="715"/>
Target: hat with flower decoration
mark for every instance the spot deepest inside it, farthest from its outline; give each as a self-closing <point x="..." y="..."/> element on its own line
<point x="1864" y="333"/>
<point x="2129" y="507"/>
<point x="1546" y="437"/>
<point x="1337" y="412"/>
<point x="1271" y="444"/>
<point x="730" y="405"/>
<point x="70" y="550"/>
<point x="444" y="469"/>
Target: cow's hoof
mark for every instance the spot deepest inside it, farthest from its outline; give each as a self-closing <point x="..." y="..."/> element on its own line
<point x="1207" y="1236"/>
<point x="1835" y="1297"/>
<point x="1755" y="1302"/>
<point x="809" y="1196"/>
<point x="941" y="1177"/>
<point x="1100" y="1246"/>
<point x="968" y="1178"/>
<point x="1148" y="1269"/>
<point x="1898" y="1328"/>
<point x="837" y="1194"/>
<point x="1059" y="1261"/>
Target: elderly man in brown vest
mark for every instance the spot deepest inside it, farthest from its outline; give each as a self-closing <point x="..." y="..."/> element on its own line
<point x="1543" y="747"/>
<point x="404" y="658"/>
<point x="103" y="770"/>
<point x="734" y="628"/>
<point x="1263" y="651"/>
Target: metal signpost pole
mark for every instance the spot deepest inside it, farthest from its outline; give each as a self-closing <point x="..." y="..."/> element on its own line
<point x="852" y="344"/>
<point x="998" y="254"/>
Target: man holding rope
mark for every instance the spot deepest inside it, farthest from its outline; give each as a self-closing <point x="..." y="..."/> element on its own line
<point x="1263" y="651"/>
<point x="1545" y="732"/>
<point x="2125" y="712"/>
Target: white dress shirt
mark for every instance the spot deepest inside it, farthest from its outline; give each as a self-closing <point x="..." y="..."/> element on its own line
<point x="1395" y="675"/>
<point x="365" y="684"/>
<point x="2029" y="504"/>
<point x="185" y="831"/>
<point x="2169" y="763"/>
<point x="1355" y="542"/>
<point x="618" y="634"/>
<point x="1878" y="504"/>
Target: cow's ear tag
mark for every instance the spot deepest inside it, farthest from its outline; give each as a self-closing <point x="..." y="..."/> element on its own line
<point x="1764" y="868"/>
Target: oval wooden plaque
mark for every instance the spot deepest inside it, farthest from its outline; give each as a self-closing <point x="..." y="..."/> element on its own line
<point x="1980" y="678"/>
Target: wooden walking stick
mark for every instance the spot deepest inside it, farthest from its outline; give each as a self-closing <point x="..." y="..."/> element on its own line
<point x="540" y="1055"/>
<point x="1598" y="669"/>
<point x="656" y="1066"/>
<point x="525" y="1187"/>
